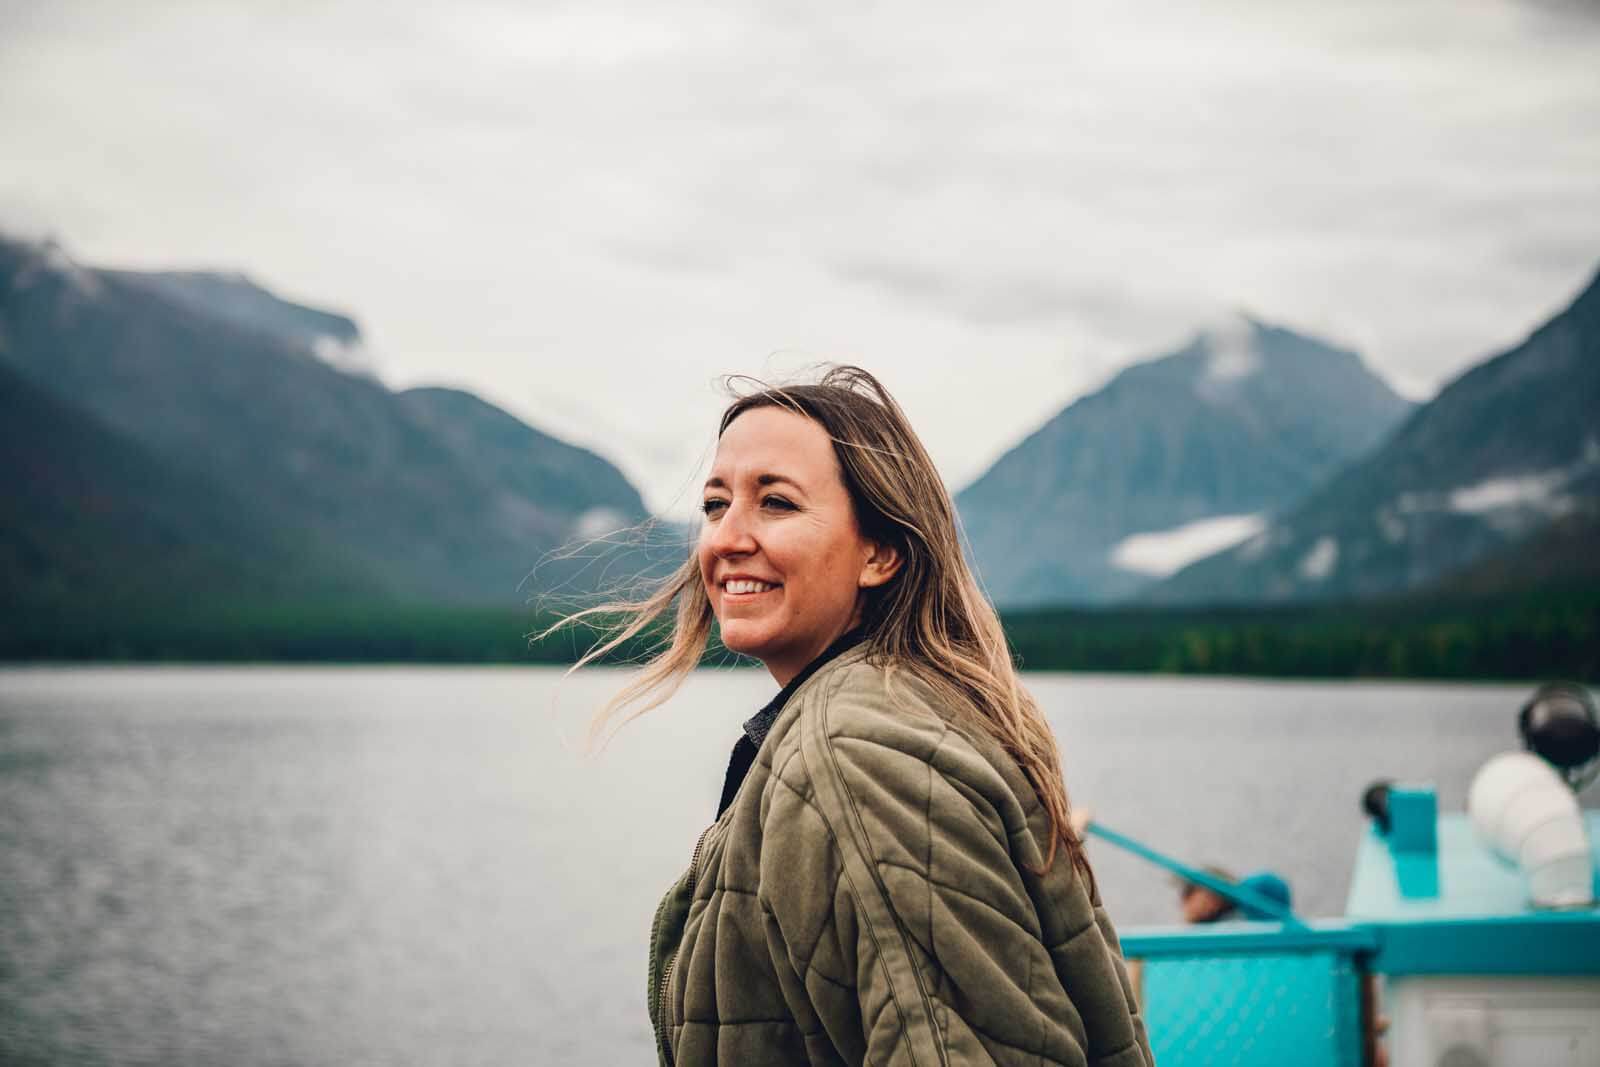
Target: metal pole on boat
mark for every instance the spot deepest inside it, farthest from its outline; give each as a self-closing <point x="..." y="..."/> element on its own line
<point x="1228" y="890"/>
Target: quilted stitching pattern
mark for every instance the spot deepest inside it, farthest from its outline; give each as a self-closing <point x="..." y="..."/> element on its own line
<point x="866" y="900"/>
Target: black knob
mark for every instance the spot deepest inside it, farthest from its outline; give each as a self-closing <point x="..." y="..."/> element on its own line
<point x="1375" y="802"/>
<point x="1559" y="724"/>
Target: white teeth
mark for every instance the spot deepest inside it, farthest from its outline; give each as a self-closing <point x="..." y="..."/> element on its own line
<point x="746" y="585"/>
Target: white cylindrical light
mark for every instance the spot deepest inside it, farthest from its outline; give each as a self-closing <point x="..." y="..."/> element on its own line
<point x="1522" y="809"/>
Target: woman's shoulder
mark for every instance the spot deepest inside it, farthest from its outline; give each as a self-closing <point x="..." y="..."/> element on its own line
<point x="869" y="741"/>
<point x="885" y="715"/>
<point x="864" y="699"/>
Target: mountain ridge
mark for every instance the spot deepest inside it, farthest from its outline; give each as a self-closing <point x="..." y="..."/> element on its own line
<point x="332" y="336"/>
<point x="1233" y="422"/>
<point x="1501" y="450"/>
<point x="388" y="480"/>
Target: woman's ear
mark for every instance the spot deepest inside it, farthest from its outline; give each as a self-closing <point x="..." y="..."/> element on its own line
<point x="881" y="565"/>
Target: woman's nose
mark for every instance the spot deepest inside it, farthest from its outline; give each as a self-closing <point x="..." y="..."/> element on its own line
<point x="731" y="534"/>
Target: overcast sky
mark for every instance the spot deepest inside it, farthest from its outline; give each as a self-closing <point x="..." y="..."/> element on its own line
<point x="586" y="213"/>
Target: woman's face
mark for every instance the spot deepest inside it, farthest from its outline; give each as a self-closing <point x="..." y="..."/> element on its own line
<point x="783" y="561"/>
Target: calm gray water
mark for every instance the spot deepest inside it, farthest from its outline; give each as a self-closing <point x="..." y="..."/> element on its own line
<point x="261" y="866"/>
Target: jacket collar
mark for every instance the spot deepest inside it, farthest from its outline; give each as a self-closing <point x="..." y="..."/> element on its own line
<point x="759" y="725"/>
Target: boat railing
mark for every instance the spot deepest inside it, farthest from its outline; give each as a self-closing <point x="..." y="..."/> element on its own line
<point x="1255" y="992"/>
<point x="1279" y="990"/>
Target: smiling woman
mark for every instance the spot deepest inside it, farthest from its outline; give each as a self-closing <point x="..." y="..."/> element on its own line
<point x="882" y="882"/>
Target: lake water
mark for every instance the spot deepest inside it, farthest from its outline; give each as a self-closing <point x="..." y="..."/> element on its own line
<point x="263" y="866"/>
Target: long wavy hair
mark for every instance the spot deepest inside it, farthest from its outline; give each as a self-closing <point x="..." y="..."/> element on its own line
<point x="931" y="620"/>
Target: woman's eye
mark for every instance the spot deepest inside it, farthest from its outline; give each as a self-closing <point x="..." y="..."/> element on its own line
<point x="713" y="506"/>
<point x="777" y="502"/>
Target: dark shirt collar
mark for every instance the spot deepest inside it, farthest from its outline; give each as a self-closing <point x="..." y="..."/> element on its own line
<point x="759" y="725"/>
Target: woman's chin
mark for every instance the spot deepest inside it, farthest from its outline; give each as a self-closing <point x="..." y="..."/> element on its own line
<point x="744" y="639"/>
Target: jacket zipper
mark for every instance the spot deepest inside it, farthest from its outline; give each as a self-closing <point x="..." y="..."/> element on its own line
<point x="672" y="960"/>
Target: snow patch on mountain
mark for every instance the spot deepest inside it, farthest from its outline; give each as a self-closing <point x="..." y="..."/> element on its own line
<point x="1158" y="553"/>
<point x="1318" y="563"/>
<point x="1494" y="494"/>
<point x="1540" y="493"/>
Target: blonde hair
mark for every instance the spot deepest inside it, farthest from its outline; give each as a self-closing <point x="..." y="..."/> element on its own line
<point x="931" y="619"/>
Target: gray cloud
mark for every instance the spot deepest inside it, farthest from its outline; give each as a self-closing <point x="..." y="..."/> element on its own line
<point x="985" y="299"/>
<point x="587" y="212"/>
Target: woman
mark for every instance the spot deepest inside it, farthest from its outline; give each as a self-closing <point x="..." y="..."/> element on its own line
<point x="891" y="877"/>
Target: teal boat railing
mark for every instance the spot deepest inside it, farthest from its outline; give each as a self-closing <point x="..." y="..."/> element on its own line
<point x="1263" y="992"/>
<point x="1239" y="894"/>
<point x="1253" y="993"/>
<point x="1426" y="900"/>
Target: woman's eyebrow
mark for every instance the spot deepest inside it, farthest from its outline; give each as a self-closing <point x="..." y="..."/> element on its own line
<point x="716" y="482"/>
<point x="773" y="479"/>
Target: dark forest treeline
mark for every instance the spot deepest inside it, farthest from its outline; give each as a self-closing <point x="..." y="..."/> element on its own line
<point x="1542" y="634"/>
<point x="301" y="633"/>
<point x="1536" y="635"/>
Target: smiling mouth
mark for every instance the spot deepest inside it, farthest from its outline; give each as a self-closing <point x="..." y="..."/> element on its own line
<point x="747" y="586"/>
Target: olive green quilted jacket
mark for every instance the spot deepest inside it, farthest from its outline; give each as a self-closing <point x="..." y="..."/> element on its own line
<point x="866" y="899"/>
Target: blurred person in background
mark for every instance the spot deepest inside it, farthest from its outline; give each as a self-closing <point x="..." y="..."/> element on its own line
<point x="1199" y="904"/>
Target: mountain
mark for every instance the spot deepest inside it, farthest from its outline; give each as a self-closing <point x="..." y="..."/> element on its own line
<point x="1558" y="555"/>
<point x="1501" y="452"/>
<point x="528" y="465"/>
<point x="90" y="519"/>
<point x="432" y="494"/>
<point x="333" y="337"/>
<point x="1240" y="422"/>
